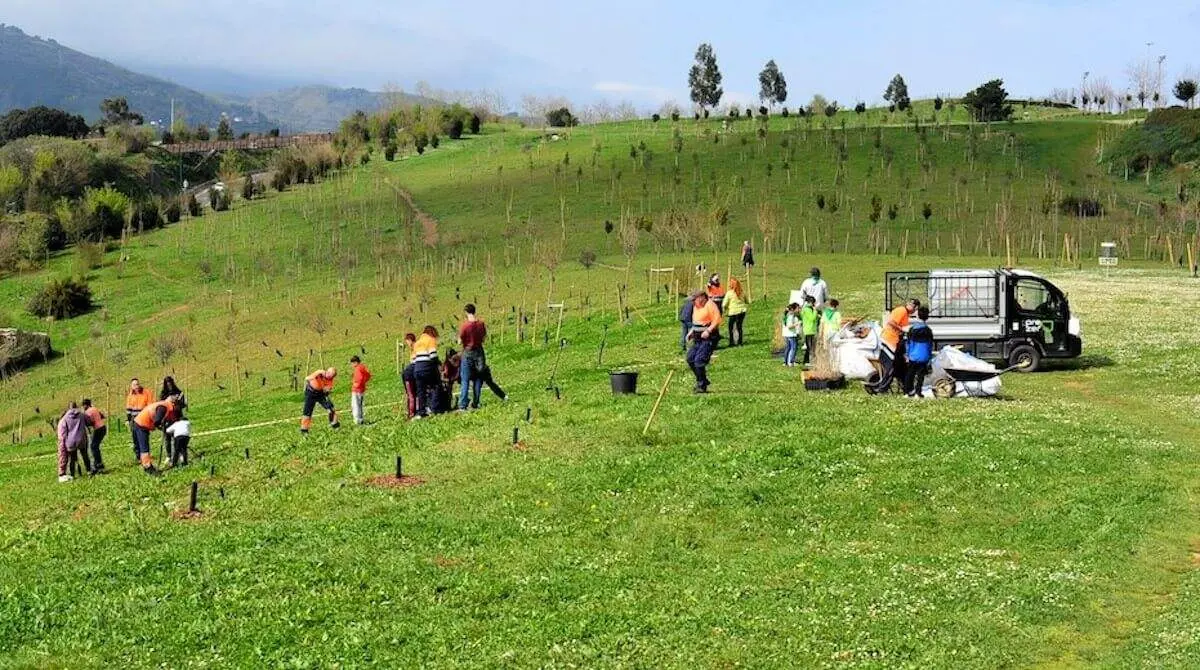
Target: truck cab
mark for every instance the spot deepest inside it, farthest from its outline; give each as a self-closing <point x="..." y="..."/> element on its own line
<point x="1013" y="316"/>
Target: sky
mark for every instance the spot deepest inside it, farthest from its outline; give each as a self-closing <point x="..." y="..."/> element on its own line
<point x="635" y="50"/>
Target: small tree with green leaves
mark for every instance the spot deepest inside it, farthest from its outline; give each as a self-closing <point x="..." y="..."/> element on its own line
<point x="772" y="85"/>
<point x="897" y="93"/>
<point x="224" y="129"/>
<point x="989" y="102"/>
<point x="704" y="78"/>
<point x="1185" y="91"/>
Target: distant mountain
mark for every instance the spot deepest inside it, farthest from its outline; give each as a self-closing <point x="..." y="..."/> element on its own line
<point x="36" y="71"/>
<point x="217" y="81"/>
<point x="321" y="107"/>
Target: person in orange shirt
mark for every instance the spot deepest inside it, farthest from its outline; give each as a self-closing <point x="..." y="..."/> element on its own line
<point x="135" y="402"/>
<point x="96" y="419"/>
<point x="317" y="388"/>
<point x="891" y="354"/>
<point x="716" y="292"/>
<point x="706" y="323"/>
<point x="155" y="416"/>
<point x="358" y="388"/>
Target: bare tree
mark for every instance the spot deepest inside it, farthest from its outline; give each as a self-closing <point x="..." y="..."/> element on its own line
<point x="1142" y="78"/>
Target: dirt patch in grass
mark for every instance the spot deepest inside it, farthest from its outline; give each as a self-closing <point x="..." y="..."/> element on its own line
<point x="447" y="562"/>
<point x="392" y="482"/>
<point x="184" y="515"/>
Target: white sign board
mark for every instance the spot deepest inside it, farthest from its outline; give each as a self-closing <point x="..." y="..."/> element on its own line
<point x="1108" y="261"/>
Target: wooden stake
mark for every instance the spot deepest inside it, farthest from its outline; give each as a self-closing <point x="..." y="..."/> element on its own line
<point x="661" y="393"/>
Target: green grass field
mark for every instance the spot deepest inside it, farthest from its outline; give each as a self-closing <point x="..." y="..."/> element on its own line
<point x="760" y="526"/>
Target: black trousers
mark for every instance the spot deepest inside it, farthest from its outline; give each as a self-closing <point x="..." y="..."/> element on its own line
<point x="179" y="455"/>
<point x="810" y="341"/>
<point x="429" y="382"/>
<point x="736" y="336"/>
<point x="313" y="398"/>
<point x="914" y="377"/>
<point x="98" y="435"/>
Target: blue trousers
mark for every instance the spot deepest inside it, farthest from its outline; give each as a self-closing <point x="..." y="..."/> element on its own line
<point x="698" y="358"/>
<point x="789" y="351"/>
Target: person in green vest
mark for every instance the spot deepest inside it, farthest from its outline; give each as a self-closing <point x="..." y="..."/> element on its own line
<point x="831" y="320"/>
<point x="810" y="319"/>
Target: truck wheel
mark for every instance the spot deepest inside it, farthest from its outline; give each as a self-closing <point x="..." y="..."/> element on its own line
<point x="1026" y="356"/>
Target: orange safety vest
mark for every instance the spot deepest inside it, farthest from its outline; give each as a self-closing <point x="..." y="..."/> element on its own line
<point x="137" y="401"/>
<point x="317" y="381"/>
<point x="145" y="418"/>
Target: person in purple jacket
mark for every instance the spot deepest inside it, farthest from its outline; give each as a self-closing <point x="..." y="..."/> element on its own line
<point x="72" y="441"/>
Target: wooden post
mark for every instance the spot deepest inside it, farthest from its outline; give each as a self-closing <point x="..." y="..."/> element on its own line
<point x="661" y="393"/>
<point x="400" y="370"/>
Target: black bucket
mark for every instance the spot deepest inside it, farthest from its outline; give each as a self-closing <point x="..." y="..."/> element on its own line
<point x="623" y="383"/>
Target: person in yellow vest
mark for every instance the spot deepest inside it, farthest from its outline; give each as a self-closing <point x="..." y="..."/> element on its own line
<point x="317" y="388"/>
<point x="155" y="416"/>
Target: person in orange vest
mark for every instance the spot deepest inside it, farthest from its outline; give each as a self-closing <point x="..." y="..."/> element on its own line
<point x="706" y="323"/>
<point x="155" y="416"/>
<point x="96" y="420"/>
<point x="135" y="402"/>
<point x="358" y="388"/>
<point x="716" y="292"/>
<point x="317" y="388"/>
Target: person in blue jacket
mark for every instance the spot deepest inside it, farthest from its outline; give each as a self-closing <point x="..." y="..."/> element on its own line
<point x="919" y="352"/>
<point x="685" y="320"/>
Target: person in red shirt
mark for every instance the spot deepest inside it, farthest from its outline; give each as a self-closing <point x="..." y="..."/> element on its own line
<point x="474" y="372"/>
<point x="706" y="322"/>
<point x="358" y="387"/>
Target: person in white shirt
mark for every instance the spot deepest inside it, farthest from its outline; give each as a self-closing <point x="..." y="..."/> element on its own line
<point x="817" y="288"/>
<point x="180" y="434"/>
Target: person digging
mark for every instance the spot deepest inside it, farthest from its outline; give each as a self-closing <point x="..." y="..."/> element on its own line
<point x="706" y="321"/>
<point x="317" y="388"/>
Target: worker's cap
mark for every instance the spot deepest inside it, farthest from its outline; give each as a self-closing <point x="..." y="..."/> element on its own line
<point x="331" y="373"/>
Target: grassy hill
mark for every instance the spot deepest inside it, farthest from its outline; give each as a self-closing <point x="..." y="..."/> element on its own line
<point x="761" y="525"/>
<point x="313" y="108"/>
<point x="37" y="71"/>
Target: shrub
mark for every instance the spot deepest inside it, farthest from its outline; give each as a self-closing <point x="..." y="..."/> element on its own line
<point x="420" y="141"/>
<point x="173" y="212"/>
<point x="675" y="115"/>
<point x="453" y="127"/>
<point x="61" y="299"/>
<point x="587" y="258"/>
<point x="434" y="141"/>
<point x="218" y="199"/>
<point x="105" y="210"/>
<point x="146" y="216"/>
<point x="389" y="152"/>
<point x="88" y="257"/>
<point x="192" y="205"/>
<point x="202" y="133"/>
<point x="762" y="110"/>
<point x="561" y="118"/>
<point x="1083" y="207"/>
<point x="784" y="112"/>
<point x="248" y="187"/>
<point x="655" y="117"/>
<point x="474" y="124"/>
<point x="274" y="132"/>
